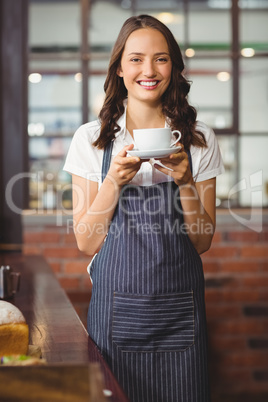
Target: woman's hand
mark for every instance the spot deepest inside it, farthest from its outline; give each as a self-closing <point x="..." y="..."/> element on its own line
<point x="179" y="165"/>
<point x="124" y="168"/>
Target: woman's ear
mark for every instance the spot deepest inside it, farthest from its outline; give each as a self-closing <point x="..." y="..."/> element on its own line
<point x="119" y="71"/>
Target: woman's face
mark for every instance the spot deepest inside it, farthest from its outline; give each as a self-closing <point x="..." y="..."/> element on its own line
<point x="146" y="65"/>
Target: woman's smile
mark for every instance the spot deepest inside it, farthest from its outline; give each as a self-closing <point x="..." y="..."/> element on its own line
<point x="150" y="84"/>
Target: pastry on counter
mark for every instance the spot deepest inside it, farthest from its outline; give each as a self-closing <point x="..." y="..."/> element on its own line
<point x="14" y="331"/>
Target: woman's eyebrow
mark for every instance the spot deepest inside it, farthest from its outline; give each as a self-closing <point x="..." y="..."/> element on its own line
<point x="142" y="54"/>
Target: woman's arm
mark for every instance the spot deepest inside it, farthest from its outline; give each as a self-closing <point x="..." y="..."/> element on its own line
<point x="92" y="209"/>
<point x="197" y="200"/>
<point x="198" y="205"/>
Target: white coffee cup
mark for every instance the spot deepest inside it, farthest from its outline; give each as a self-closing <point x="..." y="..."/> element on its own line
<point x="154" y="138"/>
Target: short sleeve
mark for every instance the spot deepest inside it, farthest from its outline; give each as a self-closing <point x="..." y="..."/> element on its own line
<point x="207" y="161"/>
<point x="82" y="158"/>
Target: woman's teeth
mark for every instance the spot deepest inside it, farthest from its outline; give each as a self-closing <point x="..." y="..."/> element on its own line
<point x="148" y="83"/>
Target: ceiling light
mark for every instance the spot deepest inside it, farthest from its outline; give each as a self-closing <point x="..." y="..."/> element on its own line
<point x="223" y="76"/>
<point x="248" y="52"/>
<point x="78" y="77"/>
<point x="189" y="52"/>
<point x="166" y="18"/>
<point x="37" y="129"/>
<point x="35" y="78"/>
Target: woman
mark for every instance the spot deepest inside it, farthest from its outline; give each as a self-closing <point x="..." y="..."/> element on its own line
<point x="148" y="220"/>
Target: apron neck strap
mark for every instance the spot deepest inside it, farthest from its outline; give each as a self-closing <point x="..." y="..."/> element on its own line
<point x="106" y="161"/>
<point x="190" y="160"/>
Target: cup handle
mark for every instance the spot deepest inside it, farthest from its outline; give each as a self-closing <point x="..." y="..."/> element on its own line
<point x="178" y="139"/>
<point x="15" y="281"/>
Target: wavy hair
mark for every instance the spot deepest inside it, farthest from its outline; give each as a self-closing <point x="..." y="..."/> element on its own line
<point x="175" y="106"/>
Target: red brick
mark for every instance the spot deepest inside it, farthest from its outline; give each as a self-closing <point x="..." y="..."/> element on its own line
<point x="244" y="326"/>
<point x="222" y="311"/>
<point x="264" y="265"/>
<point x="263" y="294"/>
<point x="228" y="343"/>
<point x="231" y="295"/>
<point x="222" y="252"/>
<point x="217" y="238"/>
<point x="212" y="295"/>
<point x="28" y="250"/>
<point x="264" y="235"/>
<point x="64" y="252"/>
<point x="240" y="266"/>
<point x="79" y="297"/>
<point x="241" y="295"/>
<point x="87" y="284"/>
<point x="56" y="266"/>
<point x="41" y="237"/>
<point x="234" y="375"/>
<point x="243" y="236"/>
<point x="255" y="251"/>
<point x="210" y="266"/>
<point x="69" y="283"/>
<point x="76" y="267"/>
<point x="249" y="359"/>
<point x="69" y="238"/>
<point x="259" y="281"/>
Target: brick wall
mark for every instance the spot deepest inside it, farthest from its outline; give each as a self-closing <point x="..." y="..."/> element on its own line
<point x="236" y="272"/>
<point x="69" y="264"/>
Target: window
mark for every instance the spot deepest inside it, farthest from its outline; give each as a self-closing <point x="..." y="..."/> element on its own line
<point x="225" y="44"/>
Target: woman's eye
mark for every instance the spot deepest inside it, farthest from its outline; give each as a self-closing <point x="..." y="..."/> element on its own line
<point x="135" y="59"/>
<point x="162" y="59"/>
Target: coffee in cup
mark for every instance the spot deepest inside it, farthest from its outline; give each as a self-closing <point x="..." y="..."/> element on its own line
<point x="155" y="138"/>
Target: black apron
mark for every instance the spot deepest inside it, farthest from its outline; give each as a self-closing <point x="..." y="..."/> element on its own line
<point x="147" y="310"/>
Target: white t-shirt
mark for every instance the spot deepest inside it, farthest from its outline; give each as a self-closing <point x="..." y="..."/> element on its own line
<point x="85" y="160"/>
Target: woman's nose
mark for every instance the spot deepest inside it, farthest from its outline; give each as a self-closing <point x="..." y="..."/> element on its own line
<point x="149" y="70"/>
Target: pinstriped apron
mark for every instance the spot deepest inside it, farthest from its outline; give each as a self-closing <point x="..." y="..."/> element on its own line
<point x="147" y="311"/>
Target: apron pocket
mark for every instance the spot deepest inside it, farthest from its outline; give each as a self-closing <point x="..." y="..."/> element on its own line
<point x="153" y="323"/>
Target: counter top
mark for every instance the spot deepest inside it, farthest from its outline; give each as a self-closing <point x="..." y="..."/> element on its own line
<point x="54" y="325"/>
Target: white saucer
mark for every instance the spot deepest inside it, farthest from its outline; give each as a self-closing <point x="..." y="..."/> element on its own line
<point x="153" y="153"/>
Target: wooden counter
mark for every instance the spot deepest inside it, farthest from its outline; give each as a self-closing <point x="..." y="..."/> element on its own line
<point x="53" y="322"/>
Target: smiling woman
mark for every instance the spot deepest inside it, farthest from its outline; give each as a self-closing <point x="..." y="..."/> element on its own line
<point x="149" y="221"/>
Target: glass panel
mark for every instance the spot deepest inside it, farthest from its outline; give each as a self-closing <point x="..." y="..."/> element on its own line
<point x="173" y="19"/>
<point x="211" y="91"/>
<point x="203" y="30"/>
<point x="48" y="182"/>
<point x="227" y="180"/>
<point x="254" y="171"/>
<point x="106" y="19"/>
<point x="157" y="4"/>
<point x="54" y="104"/>
<point x="254" y="30"/>
<point x="96" y="95"/>
<point x="54" y="25"/>
<point x="253" y="104"/>
<point x="98" y="71"/>
<point x="253" y="95"/>
<point x="54" y="115"/>
<point x="253" y="4"/>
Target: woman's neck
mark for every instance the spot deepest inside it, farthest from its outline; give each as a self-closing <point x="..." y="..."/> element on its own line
<point x="143" y="115"/>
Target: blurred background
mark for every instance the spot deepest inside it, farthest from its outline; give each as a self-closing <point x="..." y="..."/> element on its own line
<point x="226" y="59"/>
<point x="54" y="58"/>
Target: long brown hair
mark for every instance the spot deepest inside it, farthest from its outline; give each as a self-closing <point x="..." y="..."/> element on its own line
<point x="175" y="106"/>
